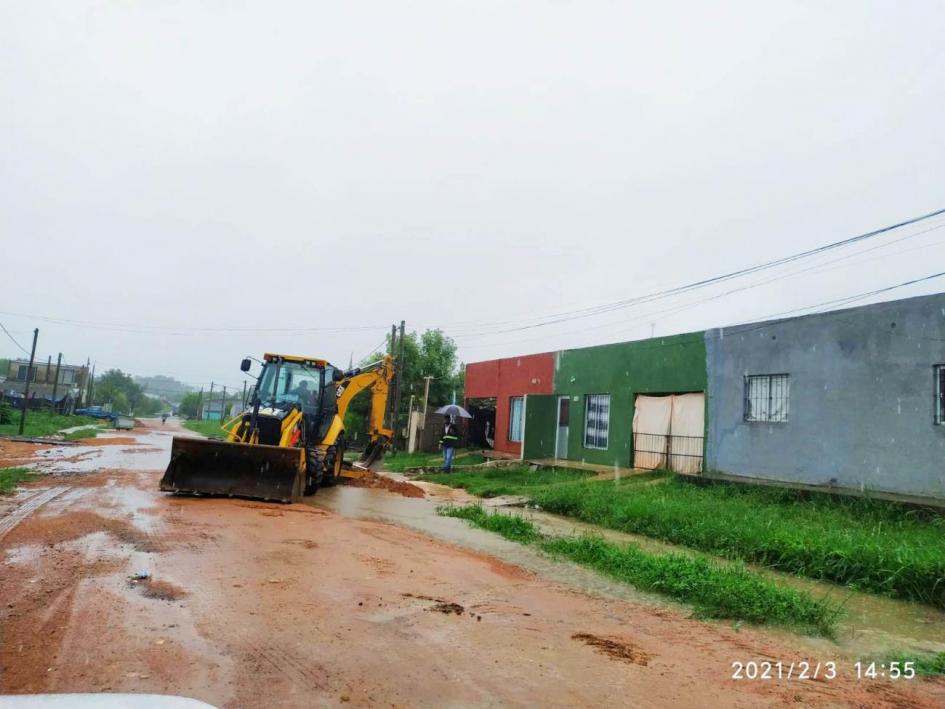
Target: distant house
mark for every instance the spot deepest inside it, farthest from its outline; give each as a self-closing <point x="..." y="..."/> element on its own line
<point x="71" y="384"/>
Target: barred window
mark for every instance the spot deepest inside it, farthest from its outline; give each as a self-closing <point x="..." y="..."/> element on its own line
<point x="516" y="405"/>
<point x="596" y="420"/>
<point x="940" y="393"/>
<point x="767" y="397"/>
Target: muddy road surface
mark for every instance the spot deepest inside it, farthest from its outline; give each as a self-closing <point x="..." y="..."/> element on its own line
<point x="109" y="585"/>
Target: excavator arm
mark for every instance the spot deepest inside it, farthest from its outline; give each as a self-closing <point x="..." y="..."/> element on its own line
<point x="377" y="377"/>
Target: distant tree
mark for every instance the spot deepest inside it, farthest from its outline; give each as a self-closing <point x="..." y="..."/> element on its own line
<point x="118" y="389"/>
<point x="432" y="353"/>
<point x="189" y="405"/>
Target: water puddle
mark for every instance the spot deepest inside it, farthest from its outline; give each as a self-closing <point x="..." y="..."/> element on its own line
<point x="149" y="452"/>
<point x="870" y="624"/>
<point x="22" y="554"/>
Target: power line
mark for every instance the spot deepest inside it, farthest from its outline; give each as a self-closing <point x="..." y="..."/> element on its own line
<point x="616" y="305"/>
<point x="25" y="351"/>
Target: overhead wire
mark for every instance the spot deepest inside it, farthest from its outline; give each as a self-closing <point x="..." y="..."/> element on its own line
<point x="13" y="339"/>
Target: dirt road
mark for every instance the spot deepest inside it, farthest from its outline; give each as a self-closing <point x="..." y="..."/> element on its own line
<point x="257" y="605"/>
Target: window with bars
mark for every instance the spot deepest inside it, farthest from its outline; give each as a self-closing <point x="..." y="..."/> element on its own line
<point x="940" y="394"/>
<point x="516" y="408"/>
<point x="767" y="397"/>
<point x="596" y="420"/>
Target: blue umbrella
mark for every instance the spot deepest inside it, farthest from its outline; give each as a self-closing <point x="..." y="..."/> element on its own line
<point x="453" y="410"/>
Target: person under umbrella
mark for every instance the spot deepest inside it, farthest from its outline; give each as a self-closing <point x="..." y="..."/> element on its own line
<point x="448" y="441"/>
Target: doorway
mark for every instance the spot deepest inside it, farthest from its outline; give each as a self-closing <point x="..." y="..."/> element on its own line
<point x="668" y="432"/>
<point x="564" y="417"/>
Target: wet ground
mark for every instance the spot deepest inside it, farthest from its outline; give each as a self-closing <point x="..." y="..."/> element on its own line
<point x="361" y="597"/>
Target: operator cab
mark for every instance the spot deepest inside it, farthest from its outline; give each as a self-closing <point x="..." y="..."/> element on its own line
<point x="288" y="383"/>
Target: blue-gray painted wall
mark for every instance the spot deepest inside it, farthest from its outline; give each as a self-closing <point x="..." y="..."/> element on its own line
<point x="861" y="398"/>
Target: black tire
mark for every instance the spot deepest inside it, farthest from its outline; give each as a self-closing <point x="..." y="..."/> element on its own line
<point x="314" y="470"/>
<point x="334" y="460"/>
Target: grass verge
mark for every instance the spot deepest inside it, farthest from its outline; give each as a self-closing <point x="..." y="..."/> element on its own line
<point x="512" y="480"/>
<point x="866" y="544"/>
<point x="513" y="527"/>
<point x="210" y="429"/>
<point x="730" y="592"/>
<point x="925" y="665"/>
<point x="43" y="423"/>
<point x="11" y="477"/>
<point x="398" y="462"/>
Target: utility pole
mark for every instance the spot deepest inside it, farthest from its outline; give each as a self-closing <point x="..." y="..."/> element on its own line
<point x="199" y="402"/>
<point x="55" y="386"/>
<point x="85" y="385"/>
<point x="423" y="414"/>
<point x="88" y="391"/>
<point x="223" y="406"/>
<point x="209" y="401"/>
<point x="400" y="382"/>
<point x="389" y="409"/>
<point x="26" y="389"/>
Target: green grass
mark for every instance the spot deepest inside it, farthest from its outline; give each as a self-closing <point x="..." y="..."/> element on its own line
<point x="90" y="432"/>
<point x="715" y="591"/>
<point x="11" y="477"/>
<point x="397" y="462"/>
<point x="866" y="544"/>
<point x="512" y="480"/>
<point x="520" y="480"/>
<point x="925" y="665"/>
<point x="513" y="527"/>
<point x="44" y="423"/>
<point x="207" y="428"/>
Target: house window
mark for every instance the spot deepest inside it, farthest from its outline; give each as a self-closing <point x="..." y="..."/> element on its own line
<point x="21" y="371"/>
<point x="67" y="376"/>
<point x="940" y="393"/>
<point x="767" y="397"/>
<point x="516" y="408"/>
<point x="596" y="420"/>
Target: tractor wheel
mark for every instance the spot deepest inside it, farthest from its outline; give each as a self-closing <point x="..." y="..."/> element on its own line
<point x="334" y="461"/>
<point x="314" y="470"/>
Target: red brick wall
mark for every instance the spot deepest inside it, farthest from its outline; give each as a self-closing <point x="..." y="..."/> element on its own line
<point x="504" y="378"/>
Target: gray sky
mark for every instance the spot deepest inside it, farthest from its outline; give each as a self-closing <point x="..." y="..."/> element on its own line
<point x="175" y="166"/>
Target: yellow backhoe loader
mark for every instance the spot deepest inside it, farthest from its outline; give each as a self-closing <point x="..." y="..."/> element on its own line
<point x="291" y="441"/>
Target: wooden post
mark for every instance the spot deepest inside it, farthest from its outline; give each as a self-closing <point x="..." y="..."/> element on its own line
<point x="55" y="387"/>
<point x="26" y="389"/>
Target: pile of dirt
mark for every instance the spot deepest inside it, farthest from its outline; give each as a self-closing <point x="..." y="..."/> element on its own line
<point x="374" y="480"/>
<point x="617" y="649"/>
<point x="158" y="590"/>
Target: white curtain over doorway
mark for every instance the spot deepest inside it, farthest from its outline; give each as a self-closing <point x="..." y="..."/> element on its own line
<point x="668" y="432"/>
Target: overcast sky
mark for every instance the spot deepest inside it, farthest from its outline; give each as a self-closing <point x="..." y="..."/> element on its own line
<point x="171" y="167"/>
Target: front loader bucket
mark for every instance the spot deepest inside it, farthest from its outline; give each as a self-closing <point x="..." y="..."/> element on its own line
<point x="208" y="467"/>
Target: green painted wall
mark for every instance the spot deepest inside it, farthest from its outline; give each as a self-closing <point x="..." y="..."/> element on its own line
<point x="662" y="365"/>
<point x="541" y="411"/>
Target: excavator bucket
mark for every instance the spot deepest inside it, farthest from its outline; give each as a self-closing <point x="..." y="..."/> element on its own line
<point x="207" y="467"/>
<point x="370" y="461"/>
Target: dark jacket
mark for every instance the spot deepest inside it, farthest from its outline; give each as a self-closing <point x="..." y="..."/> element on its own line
<point x="450" y="436"/>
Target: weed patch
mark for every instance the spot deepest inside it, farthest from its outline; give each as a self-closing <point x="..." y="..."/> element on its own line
<point x="210" y="429"/>
<point x="866" y="544"/>
<point x="513" y="527"/>
<point x="512" y="480"/>
<point x="11" y="477"/>
<point x="715" y="591"/>
<point x="43" y="423"/>
<point x="925" y="665"/>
